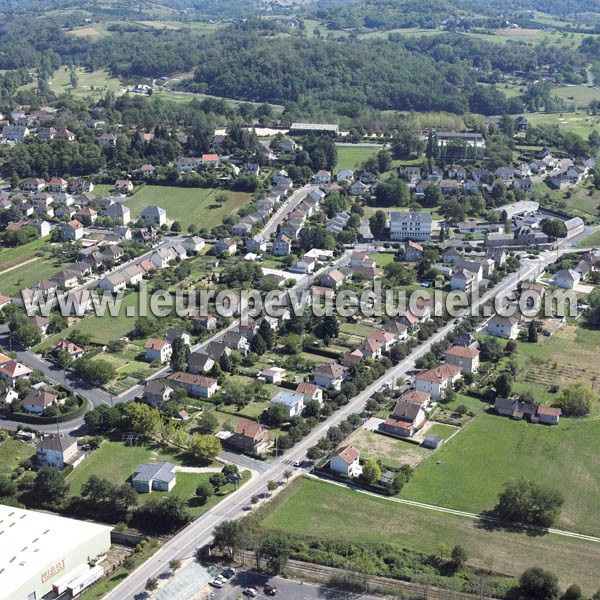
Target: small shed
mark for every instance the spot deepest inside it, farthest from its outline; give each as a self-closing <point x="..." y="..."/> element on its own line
<point x="433" y="441"/>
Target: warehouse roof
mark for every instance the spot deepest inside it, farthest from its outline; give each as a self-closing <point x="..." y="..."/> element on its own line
<point x="31" y="540"/>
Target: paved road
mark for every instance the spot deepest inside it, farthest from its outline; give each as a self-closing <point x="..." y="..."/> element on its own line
<point x="199" y="532"/>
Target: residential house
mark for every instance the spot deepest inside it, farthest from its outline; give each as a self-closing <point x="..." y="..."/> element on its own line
<point x="406" y="419"/>
<point x="463" y="280"/>
<point x="12" y="370"/>
<point x="334" y="279"/>
<point x="466" y="358"/>
<point x="574" y="227"/>
<point x="123" y="186"/>
<point x="113" y="283"/>
<point x="345" y="175"/>
<point x="59" y="451"/>
<point x="412" y="174"/>
<point x="72" y="231"/>
<point x="287" y="145"/>
<point x="210" y="160"/>
<point x="358" y="188"/>
<point x="329" y="376"/>
<point x="133" y="274"/>
<point x="422" y="399"/>
<point x="451" y="255"/>
<point x="413" y="252"/>
<point x="108" y="139"/>
<point x="257" y="244"/>
<point x="273" y="375"/>
<point x="37" y="401"/>
<point x="32" y="184"/>
<point x="293" y="402"/>
<point x="531" y="411"/>
<point x="162" y="257"/>
<point x="198" y="386"/>
<point x="147" y="171"/>
<point x="437" y="380"/>
<point x="322" y="177"/>
<point x="206" y="321"/>
<point x="15" y="133"/>
<point x="457" y="172"/>
<point x="282" y="246"/>
<point x="200" y="363"/>
<point x="158" y="350"/>
<point x="226" y="246"/>
<point x="57" y="185"/>
<point x="159" y="476"/>
<point x="506" y="327"/>
<point x="185" y="163"/>
<point x="119" y="212"/>
<point x="154" y="215"/>
<point x="173" y="333"/>
<point x="311" y="392"/>
<point x="249" y="437"/>
<point x="193" y="244"/>
<point x="156" y="392"/>
<point x="566" y="279"/>
<point x="87" y="215"/>
<point x="371" y="348"/>
<point x="69" y="348"/>
<point x="525" y="184"/>
<point x="346" y="461"/>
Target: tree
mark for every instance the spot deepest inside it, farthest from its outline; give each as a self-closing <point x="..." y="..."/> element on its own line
<point x="532" y="332"/>
<point x="103" y="417"/>
<point x="205" y="447"/>
<point x="49" y="488"/>
<point x="378" y="223"/>
<point x="276" y="549"/>
<point x="230" y="470"/>
<point x="537" y="584"/>
<point x="97" y="370"/>
<point x="527" y="502"/>
<point x="433" y="196"/>
<point x="490" y="349"/>
<point x="174" y="564"/>
<point x="141" y="418"/>
<point x="218" y="480"/>
<point x="128" y="563"/>
<point x="26" y="334"/>
<point x="204" y="491"/>
<point x="180" y="355"/>
<point x="267" y="334"/>
<point x="503" y="385"/>
<point x="287" y="474"/>
<point x="371" y="471"/>
<point x="176" y="227"/>
<point x="272" y="485"/>
<point x="554" y="228"/>
<point x="258" y="345"/>
<point x="151" y="584"/>
<point x="573" y="592"/>
<point x="228" y="535"/>
<point x="577" y="399"/>
<point x="459" y="556"/>
<point x="207" y="423"/>
<point x="8" y="488"/>
<point x="393" y="192"/>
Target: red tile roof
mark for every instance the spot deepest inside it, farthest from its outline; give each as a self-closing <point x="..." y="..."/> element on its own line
<point x="348" y="454"/>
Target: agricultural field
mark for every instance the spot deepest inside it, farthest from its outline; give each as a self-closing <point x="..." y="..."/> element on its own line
<point x="391" y="452"/>
<point x="580" y="94"/>
<point x="582" y="201"/>
<point x="189" y="206"/>
<point x="470" y="470"/>
<point x="578" y="123"/>
<point x="351" y="158"/>
<point x="26" y="273"/>
<point x="96" y="83"/>
<point x="318" y="509"/>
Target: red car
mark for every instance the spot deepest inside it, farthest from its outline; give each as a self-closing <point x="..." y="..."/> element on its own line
<point x="270" y="590"/>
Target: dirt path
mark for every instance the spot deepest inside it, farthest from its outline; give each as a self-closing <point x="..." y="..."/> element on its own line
<point x="20" y="265"/>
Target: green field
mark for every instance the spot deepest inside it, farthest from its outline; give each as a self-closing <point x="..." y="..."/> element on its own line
<point x="591" y="241"/>
<point x="470" y="470"/>
<point x="324" y="511"/>
<point x="352" y="158"/>
<point x="116" y="461"/>
<point x="189" y="206"/>
<point x="581" y="94"/>
<point x="578" y="123"/>
<point x="28" y="274"/>
<point x="582" y="201"/>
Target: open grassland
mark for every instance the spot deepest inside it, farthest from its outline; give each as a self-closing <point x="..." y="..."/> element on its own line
<point x="320" y="510"/>
<point x="26" y="274"/>
<point x="581" y="94"/>
<point x="189" y="206"/>
<point x="578" y="123"/>
<point x="471" y="469"/>
<point x="351" y="158"/>
<point x="582" y="201"/>
<point x="11" y="257"/>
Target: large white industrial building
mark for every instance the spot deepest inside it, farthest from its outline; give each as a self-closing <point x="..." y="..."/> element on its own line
<point x="40" y="552"/>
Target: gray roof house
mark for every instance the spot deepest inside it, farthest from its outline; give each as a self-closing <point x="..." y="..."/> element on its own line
<point x="159" y="476"/>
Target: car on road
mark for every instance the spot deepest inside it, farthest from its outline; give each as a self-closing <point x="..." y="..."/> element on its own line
<point x="250" y="592"/>
<point x="228" y="573"/>
<point x="297" y="464"/>
<point x="270" y="590"/>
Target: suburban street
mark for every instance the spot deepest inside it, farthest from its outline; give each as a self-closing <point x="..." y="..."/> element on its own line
<point x="199" y="532"/>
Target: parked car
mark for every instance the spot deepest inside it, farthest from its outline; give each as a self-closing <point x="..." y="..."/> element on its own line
<point x="250" y="592"/>
<point x="228" y="573"/>
<point x="218" y="582"/>
<point x="270" y="590"/>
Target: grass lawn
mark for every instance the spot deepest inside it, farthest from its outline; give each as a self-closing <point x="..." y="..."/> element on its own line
<point x="27" y="275"/>
<point x="321" y="510"/>
<point x="383" y="259"/>
<point x="116" y="461"/>
<point x="470" y="471"/>
<point x="582" y="201"/>
<point x="11" y="452"/>
<point x="579" y="123"/>
<point x="392" y="452"/>
<point x="581" y="94"/>
<point x="356" y="329"/>
<point x="9" y="257"/>
<point x="591" y="240"/>
<point x="444" y="431"/>
<point x="351" y="158"/>
<point x="189" y="206"/>
<point x="96" y="83"/>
